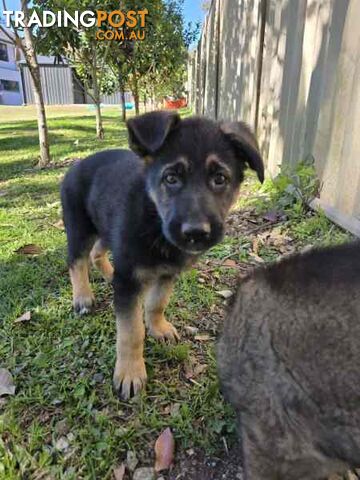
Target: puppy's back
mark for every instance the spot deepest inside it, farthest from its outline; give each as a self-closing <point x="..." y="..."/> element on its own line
<point x="288" y="362"/>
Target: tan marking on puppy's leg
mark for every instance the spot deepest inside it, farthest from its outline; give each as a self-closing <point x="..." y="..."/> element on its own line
<point x="156" y="300"/>
<point x="83" y="297"/>
<point x="100" y="260"/>
<point x="130" y="372"/>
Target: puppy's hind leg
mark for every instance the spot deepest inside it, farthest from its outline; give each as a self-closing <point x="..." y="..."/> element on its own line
<point x="81" y="236"/>
<point x="100" y="260"/>
<point x="156" y="300"/>
<point x="83" y="297"/>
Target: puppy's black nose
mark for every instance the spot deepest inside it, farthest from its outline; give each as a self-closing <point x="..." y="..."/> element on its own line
<point x="195" y="232"/>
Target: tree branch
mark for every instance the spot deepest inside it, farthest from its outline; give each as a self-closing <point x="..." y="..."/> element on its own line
<point x="6" y="34"/>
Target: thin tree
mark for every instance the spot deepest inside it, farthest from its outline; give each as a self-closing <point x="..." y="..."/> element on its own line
<point x="26" y="44"/>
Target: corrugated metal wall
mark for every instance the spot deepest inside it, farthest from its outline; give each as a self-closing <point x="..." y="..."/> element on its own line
<point x="297" y="85"/>
<point x="60" y="88"/>
<point x="56" y="82"/>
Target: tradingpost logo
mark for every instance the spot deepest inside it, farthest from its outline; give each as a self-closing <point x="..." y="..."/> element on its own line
<point x="114" y="25"/>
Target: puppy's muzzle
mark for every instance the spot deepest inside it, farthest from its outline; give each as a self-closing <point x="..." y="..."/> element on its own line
<point x="195" y="234"/>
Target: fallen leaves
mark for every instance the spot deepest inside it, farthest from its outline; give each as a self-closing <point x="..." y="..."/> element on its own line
<point x="119" y="472"/>
<point x="256" y="257"/>
<point x="191" y="330"/>
<point x="7" y="385"/>
<point x="131" y="460"/>
<point x="225" y="293"/>
<point x="144" y="473"/>
<point x="203" y="337"/>
<point x="193" y="369"/>
<point x="164" y="450"/>
<point x="25" y="317"/>
<point x="273" y="216"/>
<point x="62" y="444"/>
<point x="229" y="263"/>
<point x="59" y="225"/>
<point x="29" y="249"/>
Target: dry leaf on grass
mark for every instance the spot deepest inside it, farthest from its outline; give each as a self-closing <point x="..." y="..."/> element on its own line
<point x="192" y="368"/>
<point x="164" y="451"/>
<point x="62" y="444"/>
<point x="229" y="263"/>
<point x="119" y="472"/>
<point x="204" y="337"/>
<point x="271" y="216"/>
<point x="25" y="317"/>
<point x="59" y="225"/>
<point x="255" y="245"/>
<point x="144" y="473"/>
<point x="256" y="257"/>
<point x="225" y="293"/>
<point x="7" y="386"/>
<point x="199" y="369"/>
<point x="191" y="330"/>
<point x="30" y="249"/>
<point x="131" y="460"/>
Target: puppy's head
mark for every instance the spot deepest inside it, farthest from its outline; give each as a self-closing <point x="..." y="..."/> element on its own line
<point x="194" y="169"/>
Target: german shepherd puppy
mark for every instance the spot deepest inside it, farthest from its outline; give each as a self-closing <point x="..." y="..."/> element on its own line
<point x="157" y="210"/>
<point x="289" y="362"/>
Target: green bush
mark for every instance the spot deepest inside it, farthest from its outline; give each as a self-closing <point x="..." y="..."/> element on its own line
<point x="294" y="188"/>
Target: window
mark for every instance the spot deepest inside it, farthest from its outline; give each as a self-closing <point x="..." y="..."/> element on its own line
<point x="9" y="85"/>
<point x="4" y="52"/>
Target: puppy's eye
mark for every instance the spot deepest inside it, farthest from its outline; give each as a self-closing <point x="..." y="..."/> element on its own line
<point x="171" y="179"/>
<point x="219" y="180"/>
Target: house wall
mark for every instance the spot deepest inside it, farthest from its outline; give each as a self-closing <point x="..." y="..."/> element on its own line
<point x="9" y="71"/>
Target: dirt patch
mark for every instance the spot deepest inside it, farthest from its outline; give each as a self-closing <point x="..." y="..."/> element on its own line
<point x="197" y="466"/>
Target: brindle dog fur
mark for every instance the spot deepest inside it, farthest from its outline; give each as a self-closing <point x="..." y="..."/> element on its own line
<point x="289" y="363"/>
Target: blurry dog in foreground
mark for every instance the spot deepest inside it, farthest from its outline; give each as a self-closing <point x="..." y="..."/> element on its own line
<point x="157" y="209"/>
<point x="289" y="362"/>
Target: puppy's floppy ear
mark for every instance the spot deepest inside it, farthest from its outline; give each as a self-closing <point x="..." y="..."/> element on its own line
<point x="148" y="132"/>
<point x="245" y="144"/>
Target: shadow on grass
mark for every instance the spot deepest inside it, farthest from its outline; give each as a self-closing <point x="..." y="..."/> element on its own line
<point x="27" y="141"/>
<point x="13" y="168"/>
<point x="61" y="147"/>
<point x="37" y="192"/>
<point x="68" y="122"/>
<point x="26" y="281"/>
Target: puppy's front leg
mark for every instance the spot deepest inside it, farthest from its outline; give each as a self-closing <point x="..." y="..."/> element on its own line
<point x="130" y="372"/>
<point x="156" y="300"/>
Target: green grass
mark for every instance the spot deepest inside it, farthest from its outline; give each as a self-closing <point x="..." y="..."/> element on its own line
<point x="62" y="364"/>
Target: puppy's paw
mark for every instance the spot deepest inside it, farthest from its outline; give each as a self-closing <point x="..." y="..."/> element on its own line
<point x="164" y="330"/>
<point x="129" y="378"/>
<point x="83" y="305"/>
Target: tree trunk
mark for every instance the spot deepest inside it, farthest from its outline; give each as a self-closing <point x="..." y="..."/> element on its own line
<point x="135" y="92"/>
<point x="123" y="106"/>
<point x="97" y="100"/>
<point x="99" y="125"/>
<point x="31" y="60"/>
<point x="144" y="102"/>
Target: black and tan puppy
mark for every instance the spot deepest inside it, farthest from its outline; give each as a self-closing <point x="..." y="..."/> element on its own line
<point x="289" y="363"/>
<point x="157" y="210"/>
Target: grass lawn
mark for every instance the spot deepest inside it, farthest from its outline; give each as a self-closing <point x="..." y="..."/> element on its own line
<point x="64" y="421"/>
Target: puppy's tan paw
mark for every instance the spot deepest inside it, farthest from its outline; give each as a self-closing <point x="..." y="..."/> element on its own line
<point x="164" y="330"/>
<point x="83" y="304"/>
<point x="129" y="378"/>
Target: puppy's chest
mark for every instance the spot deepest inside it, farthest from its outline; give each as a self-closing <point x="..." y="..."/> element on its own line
<point x="148" y="275"/>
